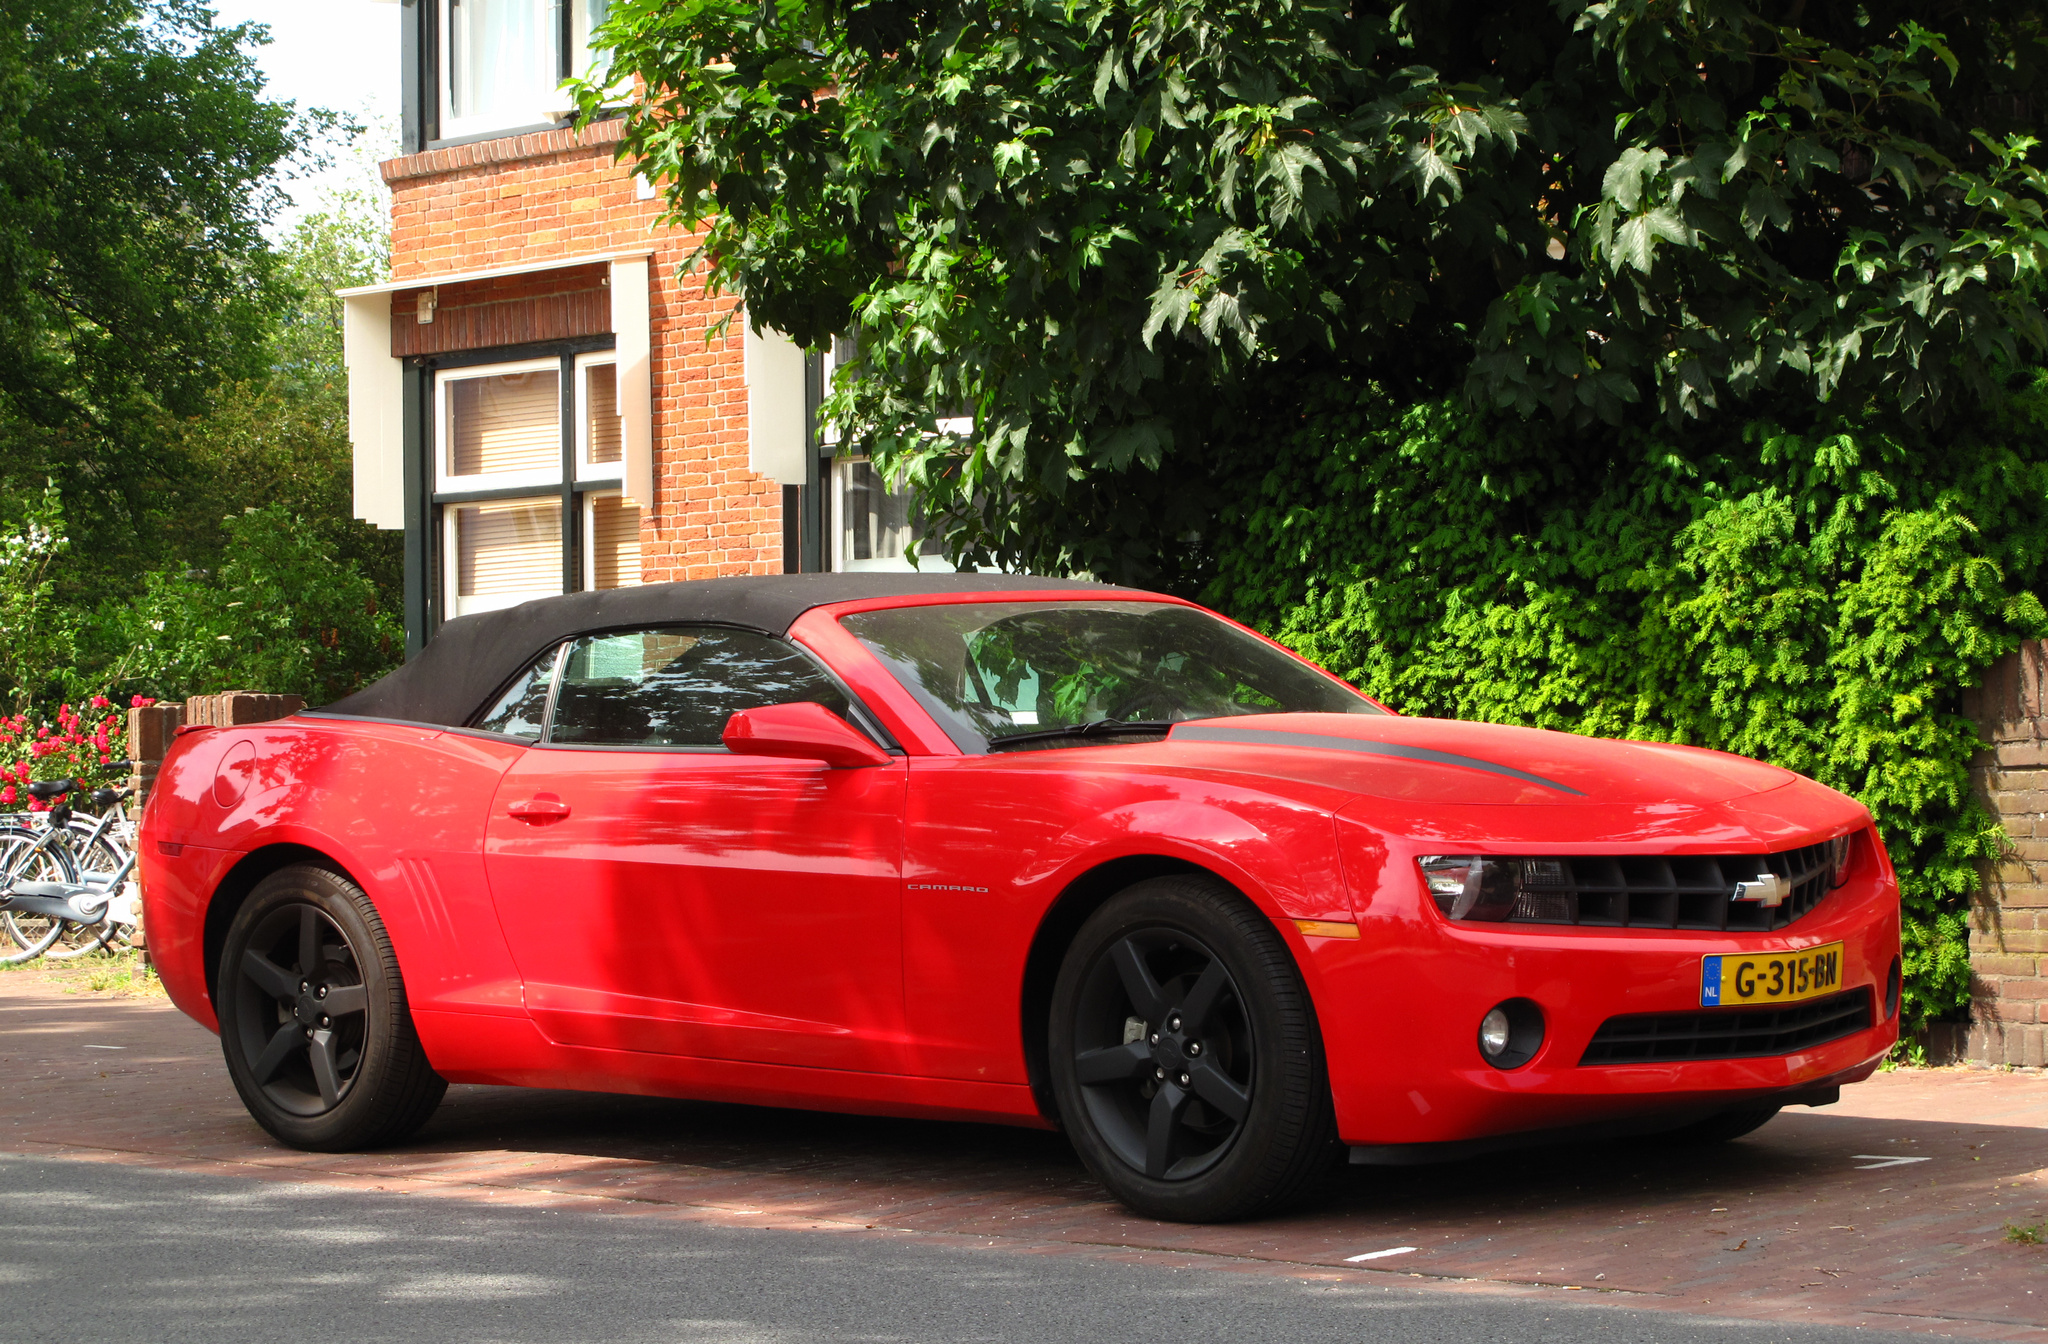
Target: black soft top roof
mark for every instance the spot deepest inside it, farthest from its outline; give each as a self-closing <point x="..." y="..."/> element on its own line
<point x="472" y="656"/>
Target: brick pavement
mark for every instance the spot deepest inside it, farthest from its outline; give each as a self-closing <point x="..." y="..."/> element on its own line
<point x="1789" y="1224"/>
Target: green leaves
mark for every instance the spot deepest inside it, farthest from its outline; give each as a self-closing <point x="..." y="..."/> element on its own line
<point x="281" y="613"/>
<point x="135" y="163"/>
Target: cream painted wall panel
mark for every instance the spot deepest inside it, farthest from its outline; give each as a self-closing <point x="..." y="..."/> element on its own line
<point x="777" y="438"/>
<point x="376" y="409"/>
<point x="635" y="376"/>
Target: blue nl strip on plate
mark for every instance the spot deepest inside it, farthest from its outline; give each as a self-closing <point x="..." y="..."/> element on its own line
<point x="1710" y="982"/>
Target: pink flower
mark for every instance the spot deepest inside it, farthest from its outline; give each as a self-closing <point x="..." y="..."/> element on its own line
<point x="7" y="794"/>
<point x="100" y="702"/>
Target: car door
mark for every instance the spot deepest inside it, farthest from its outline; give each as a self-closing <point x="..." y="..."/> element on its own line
<point x="660" y="893"/>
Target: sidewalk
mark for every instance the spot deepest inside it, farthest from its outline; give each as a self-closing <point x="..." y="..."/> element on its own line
<point x="1887" y="1211"/>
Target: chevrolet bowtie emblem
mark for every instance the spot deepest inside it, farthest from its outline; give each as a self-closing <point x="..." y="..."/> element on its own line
<point x="1767" y="889"/>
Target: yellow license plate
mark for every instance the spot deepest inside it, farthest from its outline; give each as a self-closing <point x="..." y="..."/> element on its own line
<point x="1770" y="977"/>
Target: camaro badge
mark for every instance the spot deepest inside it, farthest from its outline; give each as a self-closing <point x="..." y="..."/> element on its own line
<point x="1768" y="889"/>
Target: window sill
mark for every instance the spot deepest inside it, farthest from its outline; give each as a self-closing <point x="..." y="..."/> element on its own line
<point x="499" y="133"/>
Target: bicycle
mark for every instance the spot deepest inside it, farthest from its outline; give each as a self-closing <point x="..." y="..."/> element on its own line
<point x="64" y="888"/>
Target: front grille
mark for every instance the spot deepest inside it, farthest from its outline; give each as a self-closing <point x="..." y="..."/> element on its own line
<point x="1728" y="1033"/>
<point x="1654" y="891"/>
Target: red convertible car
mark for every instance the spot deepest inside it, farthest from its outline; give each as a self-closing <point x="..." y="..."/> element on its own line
<point x="1004" y="849"/>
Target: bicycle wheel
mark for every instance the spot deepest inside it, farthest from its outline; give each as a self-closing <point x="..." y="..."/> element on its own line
<point x="98" y="858"/>
<point x="31" y="935"/>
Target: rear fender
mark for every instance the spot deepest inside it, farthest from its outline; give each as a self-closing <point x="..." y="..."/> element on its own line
<point x="398" y="809"/>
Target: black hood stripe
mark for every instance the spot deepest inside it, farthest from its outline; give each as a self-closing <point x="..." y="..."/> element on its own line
<point x="1189" y="732"/>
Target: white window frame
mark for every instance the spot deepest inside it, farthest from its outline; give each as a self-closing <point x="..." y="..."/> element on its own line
<point x="444" y="440"/>
<point x="588" y="473"/>
<point x="587" y="521"/>
<point x="451" y="559"/>
<point x="454" y="127"/>
<point x="880" y="564"/>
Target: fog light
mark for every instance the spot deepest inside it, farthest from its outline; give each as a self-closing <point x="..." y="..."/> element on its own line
<point x="1511" y="1033"/>
<point x="1892" y="985"/>
<point x="1493" y="1034"/>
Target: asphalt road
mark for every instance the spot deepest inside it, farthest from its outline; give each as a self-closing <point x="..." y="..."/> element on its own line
<point x="99" y="1251"/>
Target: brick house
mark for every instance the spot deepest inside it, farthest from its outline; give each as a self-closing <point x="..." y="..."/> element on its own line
<point x="533" y="398"/>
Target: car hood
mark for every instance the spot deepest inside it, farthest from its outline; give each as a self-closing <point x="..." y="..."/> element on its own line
<point x="1451" y="761"/>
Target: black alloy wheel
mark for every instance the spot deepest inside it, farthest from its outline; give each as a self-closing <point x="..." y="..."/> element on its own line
<point x="313" y="1017"/>
<point x="1185" y="1056"/>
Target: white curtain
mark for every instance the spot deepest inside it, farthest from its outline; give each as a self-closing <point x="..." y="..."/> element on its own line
<point x="503" y="58"/>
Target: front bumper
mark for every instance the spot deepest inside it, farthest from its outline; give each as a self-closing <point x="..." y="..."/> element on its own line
<point x="1400" y="1009"/>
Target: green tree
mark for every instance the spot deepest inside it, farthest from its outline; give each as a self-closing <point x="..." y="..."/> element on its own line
<point x="137" y="162"/>
<point x="280" y="613"/>
<point x="36" y="634"/>
<point x="1131" y="235"/>
<point x="281" y="437"/>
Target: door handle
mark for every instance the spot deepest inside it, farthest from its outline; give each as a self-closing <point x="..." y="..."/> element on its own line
<point x="542" y="809"/>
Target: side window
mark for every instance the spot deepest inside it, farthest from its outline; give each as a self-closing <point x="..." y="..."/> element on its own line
<point x="523" y="707"/>
<point x="676" y="686"/>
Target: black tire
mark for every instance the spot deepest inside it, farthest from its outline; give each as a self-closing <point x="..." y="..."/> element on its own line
<point x="1218" y="1002"/>
<point x="313" y="1017"/>
<point x="1720" y="1128"/>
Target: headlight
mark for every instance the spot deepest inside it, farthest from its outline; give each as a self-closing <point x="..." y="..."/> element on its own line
<point x="1487" y="887"/>
<point x="1471" y="886"/>
<point x="1839" y="851"/>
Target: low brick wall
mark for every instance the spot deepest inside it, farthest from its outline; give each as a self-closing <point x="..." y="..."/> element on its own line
<point x="2009" y="916"/>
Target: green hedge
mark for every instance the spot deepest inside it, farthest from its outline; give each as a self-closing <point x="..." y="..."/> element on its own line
<point x="1814" y="594"/>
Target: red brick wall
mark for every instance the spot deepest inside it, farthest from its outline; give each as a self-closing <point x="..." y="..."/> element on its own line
<point x="2009" y="918"/>
<point x="507" y="310"/>
<point x="531" y="198"/>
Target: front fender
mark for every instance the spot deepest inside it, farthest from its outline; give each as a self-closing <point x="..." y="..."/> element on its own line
<point x="1294" y="875"/>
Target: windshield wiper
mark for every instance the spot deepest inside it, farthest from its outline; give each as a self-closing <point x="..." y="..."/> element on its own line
<point x="1099" y="728"/>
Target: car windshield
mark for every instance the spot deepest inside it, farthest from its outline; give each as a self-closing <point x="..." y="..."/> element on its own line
<point x="1041" y="673"/>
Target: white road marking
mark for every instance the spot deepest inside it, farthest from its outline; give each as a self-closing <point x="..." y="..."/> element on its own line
<point x="1377" y="1255"/>
<point x="1878" y="1163"/>
<point x="106" y="1047"/>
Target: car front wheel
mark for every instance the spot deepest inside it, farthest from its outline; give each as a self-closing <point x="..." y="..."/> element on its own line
<point x="1185" y="1056"/>
<point x="313" y="1017"/>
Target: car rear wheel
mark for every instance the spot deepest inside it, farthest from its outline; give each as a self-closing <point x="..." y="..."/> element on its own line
<point x="1185" y="1056"/>
<point x="313" y="1017"/>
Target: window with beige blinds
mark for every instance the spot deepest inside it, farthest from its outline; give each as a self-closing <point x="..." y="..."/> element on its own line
<point x="603" y="432"/>
<point x="614" y="542"/>
<point x="507" y="422"/>
<point x="509" y="528"/>
<point x="507" y="552"/>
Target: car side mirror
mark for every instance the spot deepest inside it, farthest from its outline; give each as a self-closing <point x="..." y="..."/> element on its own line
<point x="803" y="732"/>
